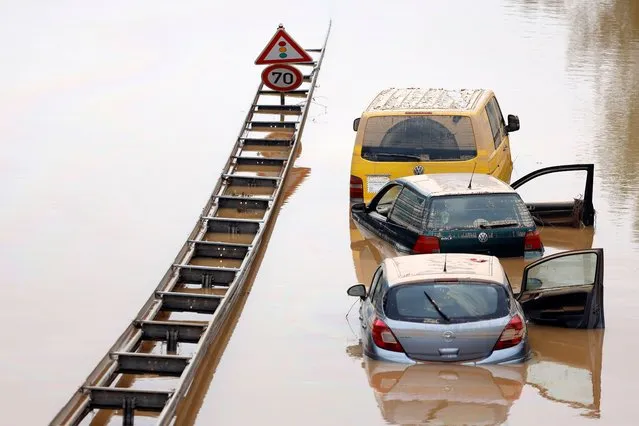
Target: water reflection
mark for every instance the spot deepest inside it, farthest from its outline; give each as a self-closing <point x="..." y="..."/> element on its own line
<point x="189" y="408"/>
<point x="605" y="41"/>
<point x="565" y="369"/>
<point x="445" y="394"/>
<point x="603" y="57"/>
<point x="369" y="251"/>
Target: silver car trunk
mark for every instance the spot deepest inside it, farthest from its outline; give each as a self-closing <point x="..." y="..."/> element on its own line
<point x="448" y="341"/>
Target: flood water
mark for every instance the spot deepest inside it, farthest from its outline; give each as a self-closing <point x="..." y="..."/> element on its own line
<point x="115" y="123"/>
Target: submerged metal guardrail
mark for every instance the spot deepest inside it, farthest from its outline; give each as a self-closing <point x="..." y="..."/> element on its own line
<point x="208" y="274"/>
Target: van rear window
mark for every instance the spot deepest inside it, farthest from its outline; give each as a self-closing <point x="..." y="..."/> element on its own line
<point x="450" y="302"/>
<point x="419" y="138"/>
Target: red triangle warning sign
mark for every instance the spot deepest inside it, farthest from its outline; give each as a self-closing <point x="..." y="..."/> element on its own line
<point x="282" y="49"/>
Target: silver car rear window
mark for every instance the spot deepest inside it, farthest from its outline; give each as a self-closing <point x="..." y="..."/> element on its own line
<point x="457" y="301"/>
<point x="476" y="211"/>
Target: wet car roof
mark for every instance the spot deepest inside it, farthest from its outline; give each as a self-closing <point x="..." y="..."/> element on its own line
<point x="425" y="99"/>
<point x="457" y="184"/>
<point x="417" y="267"/>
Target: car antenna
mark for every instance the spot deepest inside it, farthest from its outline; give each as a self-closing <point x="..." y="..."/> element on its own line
<point x="445" y="257"/>
<point x="471" y="176"/>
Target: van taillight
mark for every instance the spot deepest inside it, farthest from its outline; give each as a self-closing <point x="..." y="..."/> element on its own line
<point x="426" y="244"/>
<point x="512" y="335"/>
<point x="384" y="337"/>
<point x="532" y="241"/>
<point x="357" y="189"/>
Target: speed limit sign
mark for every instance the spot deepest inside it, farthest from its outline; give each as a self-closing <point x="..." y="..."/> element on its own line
<point x="282" y="77"/>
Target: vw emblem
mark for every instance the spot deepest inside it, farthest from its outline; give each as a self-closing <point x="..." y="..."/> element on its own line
<point x="418" y="170"/>
<point x="482" y="237"/>
<point x="448" y="336"/>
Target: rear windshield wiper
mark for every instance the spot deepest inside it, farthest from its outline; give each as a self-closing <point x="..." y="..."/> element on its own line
<point x="392" y="154"/>
<point x="498" y="225"/>
<point x="439" y="311"/>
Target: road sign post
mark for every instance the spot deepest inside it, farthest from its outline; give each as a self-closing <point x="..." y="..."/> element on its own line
<point x="279" y="53"/>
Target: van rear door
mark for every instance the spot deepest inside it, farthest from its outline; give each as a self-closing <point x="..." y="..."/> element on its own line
<point x="408" y="144"/>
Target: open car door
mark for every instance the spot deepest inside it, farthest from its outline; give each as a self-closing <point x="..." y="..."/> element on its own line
<point x="565" y="289"/>
<point x="567" y="213"/>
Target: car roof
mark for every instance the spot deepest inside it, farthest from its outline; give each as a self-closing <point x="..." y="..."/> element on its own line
<point x="457" y="184"/>
<point x="413" y="98"/>
<point x="420" y="267"/>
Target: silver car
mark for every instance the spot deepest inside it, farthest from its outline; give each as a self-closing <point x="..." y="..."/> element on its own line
<point x="461" y="308"/>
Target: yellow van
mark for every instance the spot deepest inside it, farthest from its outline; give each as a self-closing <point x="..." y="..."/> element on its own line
<point x="414" y="131"/>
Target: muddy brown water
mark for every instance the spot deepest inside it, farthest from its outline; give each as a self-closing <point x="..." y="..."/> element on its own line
<point x="569" y="69"/>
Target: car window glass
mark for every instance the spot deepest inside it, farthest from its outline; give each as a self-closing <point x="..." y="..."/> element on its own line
<point x="484" y="128"/>
<point x="409" y="210"/>
<point x="566" y="271"/>
<point x="374" y="282"/>
<point x="478" y="211"/>
<point x="460" y="302"/>
<point x="500" y="116"/>
<point x="495" y="122"/>
<point x="419" y="138"/>
<point x="385" y="204"/>
<point x="379" y="288"/>
<point x="508" y="281"/>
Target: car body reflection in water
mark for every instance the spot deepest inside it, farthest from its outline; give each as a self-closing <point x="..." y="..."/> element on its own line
<point x="565" y="367"/>
<point x="368" y="251"/>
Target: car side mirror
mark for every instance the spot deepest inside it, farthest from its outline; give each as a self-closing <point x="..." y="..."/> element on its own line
<point x="513" y="123"/>
<point x="358" y="290"/>
<point x="359" y="206"/>
<point x="533" y="284"/>
<point x="356" y="124"/>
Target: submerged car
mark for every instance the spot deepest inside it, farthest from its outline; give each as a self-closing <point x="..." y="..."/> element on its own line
<point x="412" y="131"/>
<point x="468" y="213"/>
<point x="461" y="307"/>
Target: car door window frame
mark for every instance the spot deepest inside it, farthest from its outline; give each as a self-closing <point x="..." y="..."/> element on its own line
<point x="380" y="195"/>
<point x="563" y="255"/>
<point x="382" y="289"/>
<point x="496" y="121"/>
<point x="588" y="209"/>
<point x="416" y="225"/>
<point x="500" y="116"/>
<point x="374" y="282"/>
<point x="593" y="310"/>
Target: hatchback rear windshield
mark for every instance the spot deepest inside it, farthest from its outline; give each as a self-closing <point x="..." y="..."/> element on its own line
<point x="419" y="138"/>
<point x="446" y="302"/>
<point x="478" y="211"/>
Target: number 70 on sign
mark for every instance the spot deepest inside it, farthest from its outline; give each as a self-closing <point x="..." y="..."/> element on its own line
<point x="282" y="77"/>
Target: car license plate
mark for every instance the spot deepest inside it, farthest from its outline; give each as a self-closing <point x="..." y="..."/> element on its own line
<point x="375" y="182"/>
